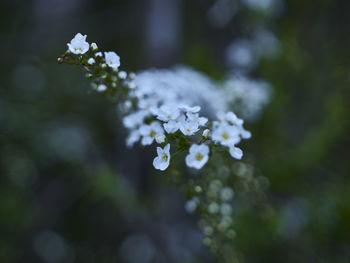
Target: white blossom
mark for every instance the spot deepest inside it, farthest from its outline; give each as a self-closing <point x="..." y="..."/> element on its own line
<point x="78" y="44"/>
<point x="226" y="134"/>
<point x="161" y="162"/>
<point x="112" y="59"/>
<point x="135" y="119"/>
<point x="187" y="108"/>
<point x="168" y="112"/>
<point x="198" y="156"/>
<point x="201" y="121"/>
<point x="133" y="137"/>
<point x="98" y="54"/>
<point x="173" y="126"/>
<point x="149" y="132"/>
<point x="189" y="127"/>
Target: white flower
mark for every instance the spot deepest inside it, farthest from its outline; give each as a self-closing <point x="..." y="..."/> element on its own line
<point x="98" y="54"/>
<point x="168" y="112"/>
<point x="161" y="162"/>
<point x="91" y="61"/>
<point x="198" y="156"/>
<point x="206" y="133"/>
<point x="94" y="46"/>
<point x="195" y="117"/>
<point x="101" y="88"/>
<point x="226" y="134"/>
<point x="173" y="126"/>
<point x="122" y="74"/>
<point x="160" y="138"/>
<point x="235" y="152"/>
<point x="133" y="137"/>
<point x="135" y="119"/>
<point x="187" y="108"/>
<point x="232" y="118"/>
<point x="78" y="44"/>
<point x="226" y="193"/>
<point x="189" y="127"/>
<point x="112" y="59"/>
<point x="149" y="132"/>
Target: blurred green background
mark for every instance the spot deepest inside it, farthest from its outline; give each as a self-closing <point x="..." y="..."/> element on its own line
<point x="70" y="191"/>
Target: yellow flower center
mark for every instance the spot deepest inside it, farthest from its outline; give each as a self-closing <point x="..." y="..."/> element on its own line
<point x="164" y="157"/>
<point x="152" y="134"/>
<point x="225" y="135"/>
<point x="199" y="156"/>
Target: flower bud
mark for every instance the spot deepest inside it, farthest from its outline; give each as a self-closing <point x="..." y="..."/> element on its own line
<point x="160" y="138"/>
<point x="101" y="88"/>
<point x="206" y="133"/>
<point x="122" y="75"/>
<point x="94" y="46"/>
<point x="91" y="61"/>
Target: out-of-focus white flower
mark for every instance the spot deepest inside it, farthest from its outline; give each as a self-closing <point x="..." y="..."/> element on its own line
<point x="198" y="156"/>
<point x="122" y="74"/>
<point x="168" y="112"/>
<point x="160" y="138"/>
<point x="98" y="54"/>
<point x="94" y="46"/>
<point x="236" y="152"/>
<point x="161" y="162"/>
<point x="173" y="126"/>
<point x="187" y="108"/>
<point x="188" y="128"/>
<point x="232" y="119"/>
<point x="213" y="208"/>
<point x="91" y="61"/>
<point x="247" y="97"/>
<point x="226" y="193"/>
<point x="226" y="134"/>
<point x="112" y="59"/>
<point x="135" y="119"/>
<point x="78" y="44"/>
<point x="201" y="121"/>
<point x="101" y="88"/>
<point x="133" y="137"/>
<point x="191" y="205"/>
<point x="206" y="133"/>
<point x="149" y="132"/>
<point x="226" y="209"/>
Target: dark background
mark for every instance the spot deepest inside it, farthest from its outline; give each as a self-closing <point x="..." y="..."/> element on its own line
<point x="71" y="192"/>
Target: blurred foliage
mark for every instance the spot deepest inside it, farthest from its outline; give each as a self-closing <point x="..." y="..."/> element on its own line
<point x="71" y="192"/>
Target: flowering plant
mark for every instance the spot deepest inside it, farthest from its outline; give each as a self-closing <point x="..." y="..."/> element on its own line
<point x="182" y="111"/>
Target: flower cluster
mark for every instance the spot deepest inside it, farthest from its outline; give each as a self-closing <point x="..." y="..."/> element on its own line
<point x="164" y="107"/>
